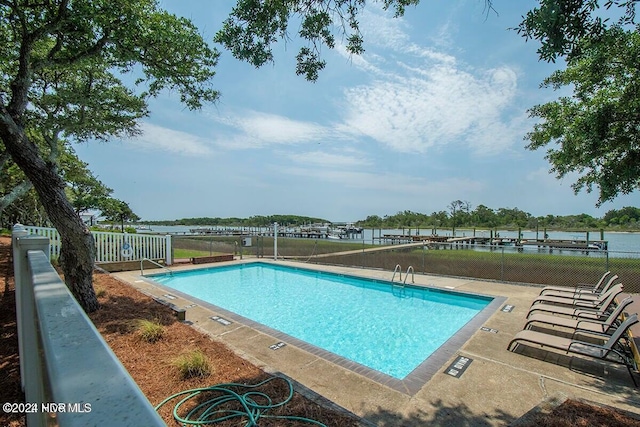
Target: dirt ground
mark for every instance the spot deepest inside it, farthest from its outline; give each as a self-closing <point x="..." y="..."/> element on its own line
<point x="152" y="364"/>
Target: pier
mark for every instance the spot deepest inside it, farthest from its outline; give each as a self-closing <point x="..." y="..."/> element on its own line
<point x="436" y="242"/>
<point x="593" y="245"/>
<point x="347" y="232"/>
<point x="335" y="231"/>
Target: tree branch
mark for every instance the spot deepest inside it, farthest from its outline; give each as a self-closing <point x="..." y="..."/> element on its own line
<point x="17" y="192"/>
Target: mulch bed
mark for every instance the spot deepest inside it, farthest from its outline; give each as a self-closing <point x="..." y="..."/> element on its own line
<point x="572" y="413"/>
<point x="151" y="364"/>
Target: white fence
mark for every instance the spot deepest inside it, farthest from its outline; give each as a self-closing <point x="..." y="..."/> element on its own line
<point x="115" y="247"/>
<point x="69" y="379"/>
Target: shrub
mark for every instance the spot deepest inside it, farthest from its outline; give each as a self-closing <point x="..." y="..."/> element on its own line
<point x="100" y="291"/>
<point x="150" y="331"/>
<point x="193" y="364"/>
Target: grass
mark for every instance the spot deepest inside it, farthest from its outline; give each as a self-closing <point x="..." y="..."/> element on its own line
<point x="150" y="331"/>
<point x="286" y="246"/>
<point x="192" y="253"/>
<point x="510" y="266"/>
<point x="100" y="291"/>
<point x="193" y="365"/>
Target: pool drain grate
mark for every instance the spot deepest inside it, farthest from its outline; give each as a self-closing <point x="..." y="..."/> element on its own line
<point x="221" y="320"/>
<point x="277" y="346"/>
<point x="457" y="368"/>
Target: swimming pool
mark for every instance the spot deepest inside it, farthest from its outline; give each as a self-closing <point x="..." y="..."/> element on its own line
<point x="387" y="328"/>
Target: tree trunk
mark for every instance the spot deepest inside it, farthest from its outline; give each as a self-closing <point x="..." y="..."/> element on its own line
<point x="17" y="192"/>
<point x="78" y="248"/>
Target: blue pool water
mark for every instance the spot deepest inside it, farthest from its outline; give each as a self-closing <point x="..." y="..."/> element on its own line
<point x="385" y="328"/>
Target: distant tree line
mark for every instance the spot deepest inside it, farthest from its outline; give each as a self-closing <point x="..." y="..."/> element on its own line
<point x="252" y="221"/>
<point x="460" y="214"/>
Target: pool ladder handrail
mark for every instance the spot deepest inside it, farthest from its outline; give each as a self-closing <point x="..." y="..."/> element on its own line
<point x="397" y="269"/>
<point x="406" y="275"/>
<point x="154" y="263"/>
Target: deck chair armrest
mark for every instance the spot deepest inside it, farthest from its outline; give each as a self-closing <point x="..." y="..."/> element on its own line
<point x="590" y="310"/>
<point x="578" y="331"/>
<point x="578" y="311"/>
<point x="585" y="304"/>
<point x="587" y="344"/>
<point x="584" y="292"/>
<point x="624" y="359"/>
<point x="597" y="322"/>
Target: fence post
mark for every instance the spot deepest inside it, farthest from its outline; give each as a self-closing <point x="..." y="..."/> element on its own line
<point x="168" y="252"/>
<point x="31" y="378"/>
<point x="18" y="231"/>
<point x="502" y="266"/>
<point x="275" y="241"/>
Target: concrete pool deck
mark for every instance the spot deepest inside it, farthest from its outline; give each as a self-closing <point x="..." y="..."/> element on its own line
<point x="496" y="386"/>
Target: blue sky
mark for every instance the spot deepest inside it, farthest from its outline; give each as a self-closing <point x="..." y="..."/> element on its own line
<point x="434" y="111"/>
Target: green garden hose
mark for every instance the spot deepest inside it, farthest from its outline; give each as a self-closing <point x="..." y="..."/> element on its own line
<point x="227" y="404"/>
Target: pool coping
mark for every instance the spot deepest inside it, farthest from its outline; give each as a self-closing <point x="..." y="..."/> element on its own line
<point x="409" y="385"/>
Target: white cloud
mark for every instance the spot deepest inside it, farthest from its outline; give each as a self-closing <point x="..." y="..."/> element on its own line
<point x="255" y="129"/>
<point x="428" y="100"/>
<point x="381" y="29"/>
<point x="392" y="183"/>
<point x="328" y="160"/>
<point x="432" y="107"/>
<point x="164" y="139"/>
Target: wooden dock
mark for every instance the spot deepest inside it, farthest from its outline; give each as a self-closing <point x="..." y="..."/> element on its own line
<point x="550" y="244"/>
<point x="433" y="240"/>
<point x="589" y="245"/>
<point x="407" y="238"/>
<point x="303" y="232"/>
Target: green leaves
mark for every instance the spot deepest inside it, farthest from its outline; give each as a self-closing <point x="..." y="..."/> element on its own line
<point x="254" y="26"/>
<point x="596" y="132"/>
<point x="117" y="210"/>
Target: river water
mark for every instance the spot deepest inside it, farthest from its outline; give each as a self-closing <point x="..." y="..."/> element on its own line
<point x="617" y="241"/>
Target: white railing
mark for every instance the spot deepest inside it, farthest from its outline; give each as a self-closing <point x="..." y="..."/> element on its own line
<point x="69" y="374"/>
<point x="114" y="247"/>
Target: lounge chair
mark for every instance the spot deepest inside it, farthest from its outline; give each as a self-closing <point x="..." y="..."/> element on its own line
<point x="589" y="296"/>
<point x="595" y="313"/>
<point x="579" y="288"/>
<point x="578" y="293"/>
<point x="604" y="327"/>
<point x="578" y="301"/>
<point x="613" y="350"/>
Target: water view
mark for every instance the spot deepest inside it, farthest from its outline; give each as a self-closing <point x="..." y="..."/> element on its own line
<point x="617" y="241"/>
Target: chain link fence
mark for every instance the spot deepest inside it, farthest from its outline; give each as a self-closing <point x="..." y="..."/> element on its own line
<point x="511" y="264"/>
<point x="565" y="267"/>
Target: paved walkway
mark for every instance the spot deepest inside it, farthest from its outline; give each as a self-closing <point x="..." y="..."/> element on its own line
<point x="497" y="387"/>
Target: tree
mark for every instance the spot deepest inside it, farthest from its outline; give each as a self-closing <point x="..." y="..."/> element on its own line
<point x="117" y="211"/>
<point x="19" y="203"/>
<point x="84" y="190"/>
<point x="484" y="216"/>
<point x="455" y="207"/>
<point x="254" y="26"/>
<point x="562" y="25"/>
<point x="13" y="184"/>
<point x="597" y="129"/>
<point x="60" y="63"/>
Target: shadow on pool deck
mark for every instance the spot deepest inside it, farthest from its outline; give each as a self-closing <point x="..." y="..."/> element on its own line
<point x="497" y="387"/>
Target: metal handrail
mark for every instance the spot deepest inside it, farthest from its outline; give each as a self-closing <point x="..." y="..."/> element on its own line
<point x="397" y="269"/>
<point x="413" y="277"/>
<point x="154" y="263"/>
